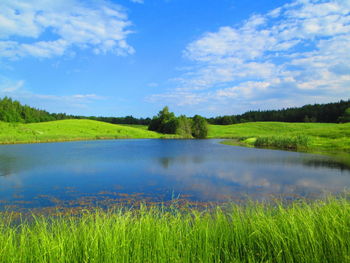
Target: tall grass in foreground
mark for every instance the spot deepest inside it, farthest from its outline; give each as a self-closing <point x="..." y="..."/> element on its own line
<point x="317" y="232"/>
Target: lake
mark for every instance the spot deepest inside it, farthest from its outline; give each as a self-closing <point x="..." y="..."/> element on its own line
<point x="101" y="173"/>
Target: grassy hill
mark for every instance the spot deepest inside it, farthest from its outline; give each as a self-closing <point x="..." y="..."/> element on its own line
<point x="69" y="130"/>
<point x="322" y="137"/>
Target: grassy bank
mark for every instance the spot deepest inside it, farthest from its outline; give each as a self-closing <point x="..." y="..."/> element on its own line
<point x="317" y="232"/>
<point x="69" y="130"/>
<point x="313" y="137"/>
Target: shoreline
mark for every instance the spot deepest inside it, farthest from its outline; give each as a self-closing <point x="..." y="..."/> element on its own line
<point x="91" y="139"/>
<point x="76" y="140"/>
<point x="224" y="141"/>
<point x="318" y="138"/>
<point x="339" y="156"/>
<point x="309" y="150"/>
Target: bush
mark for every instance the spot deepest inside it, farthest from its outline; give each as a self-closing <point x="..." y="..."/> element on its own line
<point x="199" y="127"/>
<point x="184" y="126"/>
<point x="170" y="126"/>
<point x="345" y="117"/>
<point x="166" y="122"/>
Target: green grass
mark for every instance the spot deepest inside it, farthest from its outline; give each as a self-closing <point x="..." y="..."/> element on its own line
<point x="139" y="126"/>
<point x="299" y="232"/>
<point x="320" y="137"/>
<point x="69" y="130"/>
<point x="317" y="137"/>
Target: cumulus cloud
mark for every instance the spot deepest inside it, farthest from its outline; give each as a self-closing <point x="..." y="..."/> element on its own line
<point x="46" y="29"/>
<point x="295" y="54"/>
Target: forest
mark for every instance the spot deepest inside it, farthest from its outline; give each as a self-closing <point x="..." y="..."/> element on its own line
<point x="13" y="111"/>
<point x="325" y="113"/>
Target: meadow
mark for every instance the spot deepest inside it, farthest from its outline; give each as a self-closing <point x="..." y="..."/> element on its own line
<point x="310" y="137"/>
<point x="298" y="232"/>
<point x="69" y="130"/>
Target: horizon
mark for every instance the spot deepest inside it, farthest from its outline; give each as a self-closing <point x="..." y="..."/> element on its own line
<point x="133" y="57"/>
<point x="155" y="114"/>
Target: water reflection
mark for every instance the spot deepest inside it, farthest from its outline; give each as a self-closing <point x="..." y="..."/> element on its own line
<point x="94" y="172"/>
<point x="167" y="162"/>
<point x="6" y="165"/>
<point x="315" y="161"/>
<point x="241" y="178"/>
<point x="328" y="163"/>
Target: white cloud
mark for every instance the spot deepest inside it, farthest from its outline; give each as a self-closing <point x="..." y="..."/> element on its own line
<point x="137" y="1"/>
<point x="295" y="53"/>
<point x="16" y="89"/>
<point x="9" y="86"/>
<point x="46" y="29"/>
<point x="245" y="90"/>
<point x="153" y="84"/>
<point x="181" y="98"/>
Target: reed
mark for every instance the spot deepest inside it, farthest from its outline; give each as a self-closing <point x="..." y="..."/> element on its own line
<point x="287" y="142"/>
<point x="299" y="232"/>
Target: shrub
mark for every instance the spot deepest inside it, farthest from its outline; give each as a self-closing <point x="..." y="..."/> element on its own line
<point x="199" y="127"/>
<point x="184" y="126"/>
<point x="166" y="122"/>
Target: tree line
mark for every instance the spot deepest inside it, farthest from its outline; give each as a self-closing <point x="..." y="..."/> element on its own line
<point x="330" y="112"/>
<point x="119" y="120"/>
<point x="13" y="111"/>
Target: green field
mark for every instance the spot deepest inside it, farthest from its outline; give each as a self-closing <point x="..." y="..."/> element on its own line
<point x="69" y="130"/>
<point x="299" y="232"/>
<point x="322" y="137"/>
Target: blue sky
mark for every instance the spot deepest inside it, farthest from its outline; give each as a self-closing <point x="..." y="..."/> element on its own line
<point x="208" y="57"/>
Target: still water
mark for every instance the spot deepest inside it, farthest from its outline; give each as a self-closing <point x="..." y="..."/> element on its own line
<point x="105" y="172"/>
